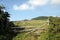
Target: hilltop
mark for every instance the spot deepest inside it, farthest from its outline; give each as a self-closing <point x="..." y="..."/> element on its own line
<point x="40" y="18"/>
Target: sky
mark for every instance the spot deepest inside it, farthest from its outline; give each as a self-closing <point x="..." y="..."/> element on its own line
<point x="28" y="9"/>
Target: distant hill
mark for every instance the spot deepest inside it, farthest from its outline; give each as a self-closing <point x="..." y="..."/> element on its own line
<point x="37" y="21"/>
<point x="30" y="23"/>
<point x="40" y="18"/>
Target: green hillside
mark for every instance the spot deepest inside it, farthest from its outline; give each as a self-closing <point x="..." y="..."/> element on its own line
<point x="41" y="33"/>
<point x="30" y="23"/>
<point x="49" y="31"/>
<point x="37" y="21"/>
<point x="40" y="18"/>
<point x="36" y="34"/>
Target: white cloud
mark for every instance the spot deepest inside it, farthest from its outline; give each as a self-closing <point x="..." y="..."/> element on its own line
<point x="32" y="4"/>
<point x="55" y="2"/>
<point x="21" y="7"/>
<point x="26" y="6"/>
<point x="38" y="2"/>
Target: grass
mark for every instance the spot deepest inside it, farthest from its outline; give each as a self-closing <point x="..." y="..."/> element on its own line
<point x="30" y="23"/>
<point x="33" y="35"/>
<point x="50" y="33"/>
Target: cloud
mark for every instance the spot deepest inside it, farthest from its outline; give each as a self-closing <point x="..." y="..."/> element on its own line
<point x="21" y="7"/>
<point x="38" y="2"/>
<point x="55" y="2"/>
<point x="32" y="4"/>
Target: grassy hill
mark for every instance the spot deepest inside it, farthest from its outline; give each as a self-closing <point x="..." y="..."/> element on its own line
<point x="39" y="34"/>
<point x="37" y="21"/>
<point x="49" y="31"/>
<point x="30" y="23"/>
<point x="40" y="18"/>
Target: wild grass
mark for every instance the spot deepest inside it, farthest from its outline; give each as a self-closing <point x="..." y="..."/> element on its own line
<point x="37" y="35"/>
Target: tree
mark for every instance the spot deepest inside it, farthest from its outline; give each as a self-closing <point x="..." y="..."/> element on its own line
<point x="5" y="25"/>
<point x="4" y="19"/>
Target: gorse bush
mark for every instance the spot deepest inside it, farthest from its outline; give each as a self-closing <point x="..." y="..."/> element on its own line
<point x="54" y="30"/>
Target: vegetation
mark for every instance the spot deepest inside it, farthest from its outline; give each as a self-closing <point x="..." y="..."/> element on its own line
<point x="54" y="29"/>
<point x="35" y="35"/>
<point x="5" y="24"/>
<point x="46" y="32"/>
<point x="40" y="18"/>
<point x="30" y="23"/>
<point x="4" y="20"/>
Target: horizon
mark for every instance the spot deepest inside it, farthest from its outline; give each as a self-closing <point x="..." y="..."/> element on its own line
<point x="28" y="9"/>
<point x="34" y="17"/>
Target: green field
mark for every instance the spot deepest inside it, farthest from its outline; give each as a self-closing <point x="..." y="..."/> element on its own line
<point x="51" y="31"/>
<point x="40" y="34"/>
<point x="30" y="23"/>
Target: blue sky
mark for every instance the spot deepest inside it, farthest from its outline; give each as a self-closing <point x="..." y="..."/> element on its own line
<point x="27" y="9"/>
